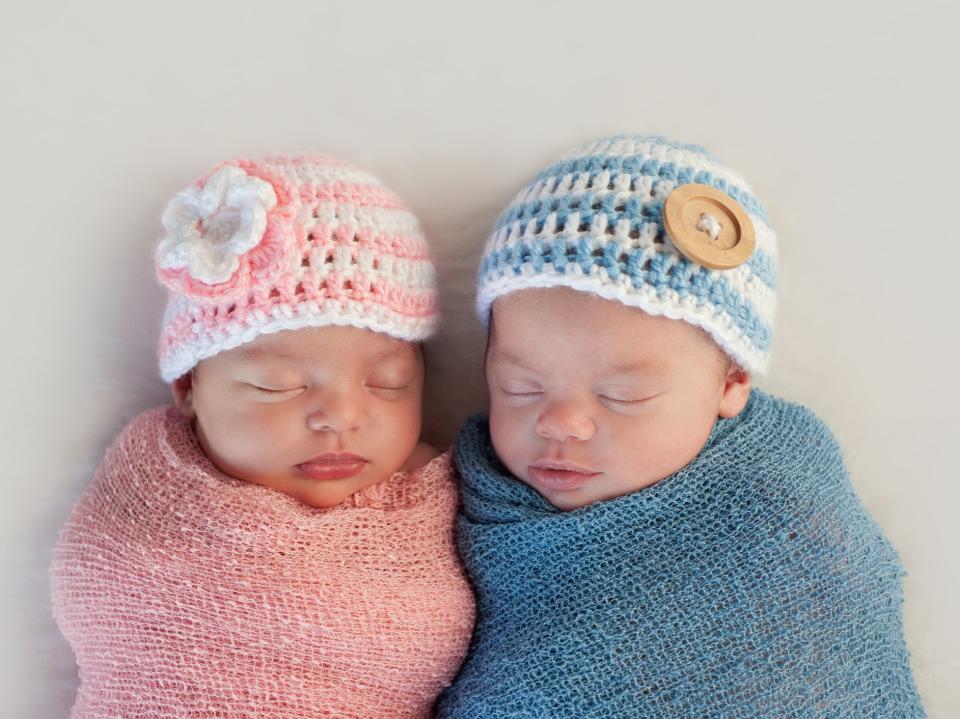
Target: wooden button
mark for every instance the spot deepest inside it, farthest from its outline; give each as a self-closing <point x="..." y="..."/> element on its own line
<point x="708" y="226"/>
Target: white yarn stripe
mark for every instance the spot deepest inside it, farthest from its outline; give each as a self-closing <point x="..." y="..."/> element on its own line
<point x="752" y="291"/>
<point x="297" y="174"/>
<point x="384" y="220"/>
<point x="661" y="153"/>
<point x="348" y="261"/>
<point x="766" y="239"/>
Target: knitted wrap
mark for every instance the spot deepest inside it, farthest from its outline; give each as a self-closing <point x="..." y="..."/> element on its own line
<point x="751" y="583"/>
<point x="593" y="221"/>
<point x="185" y="592"/>
<point x="259" y="246"/>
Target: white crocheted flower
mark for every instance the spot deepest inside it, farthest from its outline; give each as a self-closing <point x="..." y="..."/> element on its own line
<point x="209" y="228"/>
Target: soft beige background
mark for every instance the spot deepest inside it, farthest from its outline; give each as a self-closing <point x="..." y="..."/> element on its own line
<point x="843" y="116"/>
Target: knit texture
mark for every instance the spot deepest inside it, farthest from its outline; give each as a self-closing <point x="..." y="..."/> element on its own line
<point x="593" y="221"/>
<point x="186" y="593"/>
<point x="259" y="246"/>
<point x="751" y="583"/>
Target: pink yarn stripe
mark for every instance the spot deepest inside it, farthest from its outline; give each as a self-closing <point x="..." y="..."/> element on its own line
<point x="400" y="245"/>
<point x="306" y="159"/>
<point x="348" y="192"/>
<point x="329" y="217"/>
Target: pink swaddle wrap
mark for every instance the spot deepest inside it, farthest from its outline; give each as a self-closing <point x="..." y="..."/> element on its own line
<point x="185" y="592"/>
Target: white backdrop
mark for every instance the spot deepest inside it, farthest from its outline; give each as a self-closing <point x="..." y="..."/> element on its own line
<point x="842" y="117"/>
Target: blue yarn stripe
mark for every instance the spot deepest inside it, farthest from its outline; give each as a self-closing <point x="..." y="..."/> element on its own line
<point x="589" y="205"/>
<point x="684" y="277"/>
<point x="761" y="264"/>
<point x="632" y="165"/>
<point x="764" y="268"/>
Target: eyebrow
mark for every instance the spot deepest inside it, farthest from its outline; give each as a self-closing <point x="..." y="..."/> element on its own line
<point x="639" y="366"/>
<point x="503" y="356"/>
<point x="254" y="353"/>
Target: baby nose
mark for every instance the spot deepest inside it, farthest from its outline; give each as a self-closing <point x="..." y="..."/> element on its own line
<point x="334" y="413"/>
<point x="565" y="421"/>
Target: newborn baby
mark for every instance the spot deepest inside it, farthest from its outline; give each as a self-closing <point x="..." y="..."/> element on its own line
<point x="278" y="543"/>
<point x="647" y="534"/>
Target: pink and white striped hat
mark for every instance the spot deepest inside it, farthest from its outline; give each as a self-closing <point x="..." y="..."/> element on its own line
<point x="287" y="242"/>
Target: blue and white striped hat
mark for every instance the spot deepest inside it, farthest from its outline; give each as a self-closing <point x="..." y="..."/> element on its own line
<point x="594" y="221"/>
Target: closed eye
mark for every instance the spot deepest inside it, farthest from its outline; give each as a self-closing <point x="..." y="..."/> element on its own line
<point x="624" y="400"/>
<point x="389" y="391"/>
<point x="522" y="394"/>
<point x="271" y="390"/>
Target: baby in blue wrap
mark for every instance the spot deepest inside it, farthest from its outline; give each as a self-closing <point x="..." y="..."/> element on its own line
<point x="648" y="535"/>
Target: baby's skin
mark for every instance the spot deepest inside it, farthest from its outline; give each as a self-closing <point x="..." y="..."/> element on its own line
<point x="647" y="534"/>
<point x="591" y="399"/>
<point x="280" y="542"/>
<point x="316" y="413"/>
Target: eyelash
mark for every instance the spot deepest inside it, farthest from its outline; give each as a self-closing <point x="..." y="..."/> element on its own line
<point x="275" y="391"/>
<point x="522" y="394"/>
<point x="621" y="401"/>
<point x="386" y="389"/>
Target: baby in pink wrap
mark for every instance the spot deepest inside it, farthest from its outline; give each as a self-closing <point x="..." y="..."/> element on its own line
<point x="278" y="543"/>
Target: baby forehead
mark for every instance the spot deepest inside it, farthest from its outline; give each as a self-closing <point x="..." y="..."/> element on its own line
<point x="310" y="345"/>
<point x="565" y="313"/>
<point x="554" y="327"/>
<point x="605" y="366"/>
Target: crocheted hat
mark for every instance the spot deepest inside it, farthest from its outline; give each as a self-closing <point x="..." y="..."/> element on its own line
<point x="287" y="242"/>
<point x="595" y="221"/>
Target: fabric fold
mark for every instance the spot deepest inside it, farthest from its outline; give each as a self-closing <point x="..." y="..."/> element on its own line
<point x="753" y="582"/>
<point x="185" y="592"/>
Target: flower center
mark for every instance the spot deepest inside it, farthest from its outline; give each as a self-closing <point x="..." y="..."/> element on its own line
<point x="221" y="227"/>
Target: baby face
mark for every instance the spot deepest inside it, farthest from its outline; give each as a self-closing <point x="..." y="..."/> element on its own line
<point x="315" y="413"/>
<point x="591" y="399"/>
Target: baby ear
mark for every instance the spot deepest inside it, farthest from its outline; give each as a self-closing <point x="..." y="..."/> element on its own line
<point x="182" y="389"/>
<point x="736" y="392"/>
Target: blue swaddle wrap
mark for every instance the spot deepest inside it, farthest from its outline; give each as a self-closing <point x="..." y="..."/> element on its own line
<point x="751" y="583"/>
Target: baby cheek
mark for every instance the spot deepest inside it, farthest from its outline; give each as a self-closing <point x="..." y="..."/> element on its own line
<point x="260" y="438"/>
<point x="513" y="437"/>
<point x="390" y="430"/>
<point x="403" y="420"/>
<point x="660" y="449"/>
<point x="268" y="422"/>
